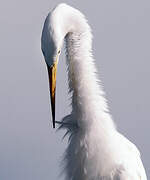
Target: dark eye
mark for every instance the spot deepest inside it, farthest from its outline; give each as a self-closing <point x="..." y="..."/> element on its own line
<point x="59" y="52"/>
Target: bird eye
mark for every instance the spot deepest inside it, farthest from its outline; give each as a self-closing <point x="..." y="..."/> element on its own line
<point x="59" y="52"/>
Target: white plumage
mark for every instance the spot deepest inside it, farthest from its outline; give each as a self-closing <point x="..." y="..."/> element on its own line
<point x="96" y="150"/>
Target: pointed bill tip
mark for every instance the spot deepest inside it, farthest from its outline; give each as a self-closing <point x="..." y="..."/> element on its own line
<point x="52" y="83"/>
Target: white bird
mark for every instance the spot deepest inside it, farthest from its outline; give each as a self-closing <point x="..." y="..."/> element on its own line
<point x="96" y="150"/>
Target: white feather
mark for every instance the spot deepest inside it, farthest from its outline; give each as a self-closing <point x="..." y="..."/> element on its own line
<point x="96" y="150"/>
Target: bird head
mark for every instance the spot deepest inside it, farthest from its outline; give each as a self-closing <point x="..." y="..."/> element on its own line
<point x="51" y="43"/>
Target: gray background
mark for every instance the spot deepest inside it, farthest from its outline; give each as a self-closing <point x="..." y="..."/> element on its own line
<point x="29" y="148"/>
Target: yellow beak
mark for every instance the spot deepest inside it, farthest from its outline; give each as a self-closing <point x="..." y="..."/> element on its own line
<point x="52" y="84"/>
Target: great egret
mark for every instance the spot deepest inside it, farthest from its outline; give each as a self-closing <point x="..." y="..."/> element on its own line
<point x="96" y="150"/>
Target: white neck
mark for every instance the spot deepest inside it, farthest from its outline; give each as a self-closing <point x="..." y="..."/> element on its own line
<point x="88" y="102"/>
<point x="89" y="106"/>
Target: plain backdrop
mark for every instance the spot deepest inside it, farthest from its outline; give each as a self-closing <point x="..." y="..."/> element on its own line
<point x="29" y="148"/>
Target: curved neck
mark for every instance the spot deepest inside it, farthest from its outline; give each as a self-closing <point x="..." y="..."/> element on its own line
<point x="88" y="102"/>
